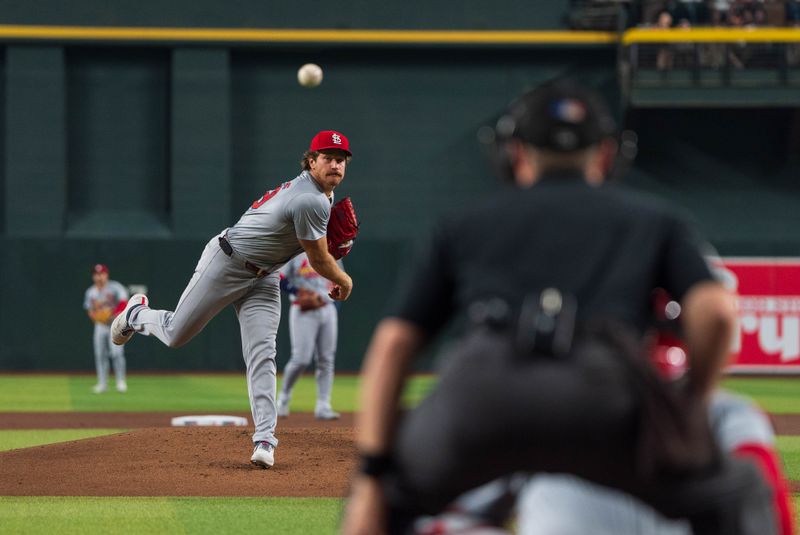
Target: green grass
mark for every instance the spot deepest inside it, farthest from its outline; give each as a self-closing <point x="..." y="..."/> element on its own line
<point x="11" y="439"/>
<point x="228" y="392"/>
<point x="19" y="393"/>
<point x="195" y="393"/>
<point x="178" y="392"/>
<point x="779" y="395"/>
<point x="789" y="448"/>
<point x="174" y="516"/>
<point x="143" y="516"/>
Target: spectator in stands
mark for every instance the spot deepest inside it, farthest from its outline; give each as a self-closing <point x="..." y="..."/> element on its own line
<point x="719" y="12"/>
<point x="793" y="12"/>
<point x="793" y="19"/>
<point x="684" y="53"/>
<point x="664" y="56"/>
<point x="752" y="12"/>
<point x="694" y="11"/>
<point x="737" y="51"/>
<point x="650" y="11"/>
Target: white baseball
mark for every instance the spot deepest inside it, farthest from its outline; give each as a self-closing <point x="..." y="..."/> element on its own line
<point x="309" y="75"/>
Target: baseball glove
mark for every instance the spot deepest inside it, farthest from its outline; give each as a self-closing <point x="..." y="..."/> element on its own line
<point x="309" y="300"/>
<point x="342" y="228"/>
<point x="102" y="315"/>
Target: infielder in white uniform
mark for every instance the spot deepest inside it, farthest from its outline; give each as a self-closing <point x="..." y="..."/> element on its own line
<point x="240" y="266"/>
<point x="101" y="301"/>
<point x="313" y="329"/>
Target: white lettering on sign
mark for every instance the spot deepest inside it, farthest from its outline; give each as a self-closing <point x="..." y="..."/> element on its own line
<point x="775" y="321"/>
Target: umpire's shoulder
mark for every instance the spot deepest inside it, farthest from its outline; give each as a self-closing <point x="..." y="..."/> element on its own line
<point x="644" y="203"/>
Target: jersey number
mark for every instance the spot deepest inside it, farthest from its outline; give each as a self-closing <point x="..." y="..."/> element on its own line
<point x="270" y="194"/>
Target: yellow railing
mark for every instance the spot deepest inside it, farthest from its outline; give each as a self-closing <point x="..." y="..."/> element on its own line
<point x="407" y="37"/>
<point x="711" y="35"/>
<point x="253" y="35"/>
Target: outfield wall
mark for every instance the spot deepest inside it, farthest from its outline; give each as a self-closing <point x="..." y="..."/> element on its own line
<point x="134" y="153"/>
<point x="463" y="14"/>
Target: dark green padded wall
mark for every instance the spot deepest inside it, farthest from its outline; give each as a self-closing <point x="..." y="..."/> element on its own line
<point x="2" y="144"/>
<point x="117" y="141"/>
<point x="412" y="117"/>
<point x="416" y="14"/>
<point x="135" y="156"/>
<point x="735" y="169"/>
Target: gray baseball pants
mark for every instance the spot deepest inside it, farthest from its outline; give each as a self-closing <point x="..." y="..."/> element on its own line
<point x="312" y="332"/>
<point x="219" y="281"/>
<point x="105" y="350"/>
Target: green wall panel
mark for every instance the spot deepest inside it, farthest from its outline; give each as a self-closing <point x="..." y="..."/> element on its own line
<point x="43" y="325"/>
<point x="118" y="141"/>
<point x="141" y="154"/>
<point x="467" y="14"/>
<point x="734" y="169"/>
<point x="411" y="116"/>
<point x="200" y="141"/>
<point x="35" y="143"/>
<point x="166" y="147"/>
<point x="3" y="142"/>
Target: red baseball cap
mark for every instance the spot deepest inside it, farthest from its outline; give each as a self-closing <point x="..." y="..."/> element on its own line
<point x="330" y="139"/>
<point x="100" y="268"/>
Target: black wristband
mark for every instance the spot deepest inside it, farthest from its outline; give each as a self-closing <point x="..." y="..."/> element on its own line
<point x="375" y="465"/>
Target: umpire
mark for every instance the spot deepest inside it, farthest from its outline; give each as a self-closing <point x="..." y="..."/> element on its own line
<point x="554" y="277"/>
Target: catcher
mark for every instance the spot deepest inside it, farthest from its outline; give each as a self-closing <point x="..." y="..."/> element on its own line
<point x="102" y="302"/>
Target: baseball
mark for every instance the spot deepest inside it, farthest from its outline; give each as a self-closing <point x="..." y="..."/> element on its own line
<point x="309" y="75"/>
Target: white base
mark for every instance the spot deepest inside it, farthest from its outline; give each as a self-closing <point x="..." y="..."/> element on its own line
<point x="208" y="420"/>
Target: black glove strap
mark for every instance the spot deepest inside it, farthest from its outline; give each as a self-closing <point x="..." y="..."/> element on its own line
<point x="375" y="465"/>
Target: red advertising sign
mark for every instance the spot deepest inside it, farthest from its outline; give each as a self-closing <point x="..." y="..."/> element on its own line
<point x="769" y="314"/>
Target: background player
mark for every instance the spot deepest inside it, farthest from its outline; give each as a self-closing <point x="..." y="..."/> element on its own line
<point x="313" y="329"/>
<point x="102" y="301"/>
<point x="240" y="266"/>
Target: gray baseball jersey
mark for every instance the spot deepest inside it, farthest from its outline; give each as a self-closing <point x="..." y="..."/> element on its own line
<point x="299" y="274"/>
<point x="298" y="209"/>
<point x="109" y="296"/>
<point x="266" y="235"/>
<point x="312" y="333"/>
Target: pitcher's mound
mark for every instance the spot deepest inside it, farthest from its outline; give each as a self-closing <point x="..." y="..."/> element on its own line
<point x="183" y="461"/>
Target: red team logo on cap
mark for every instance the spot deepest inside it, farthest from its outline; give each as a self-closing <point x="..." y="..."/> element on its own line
<point x="330" y="139"/>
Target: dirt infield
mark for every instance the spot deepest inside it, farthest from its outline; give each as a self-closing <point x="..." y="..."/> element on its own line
<point x="314" y="458"/>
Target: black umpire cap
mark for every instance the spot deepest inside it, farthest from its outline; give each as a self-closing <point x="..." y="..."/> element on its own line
<point x="559" y="116"/>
